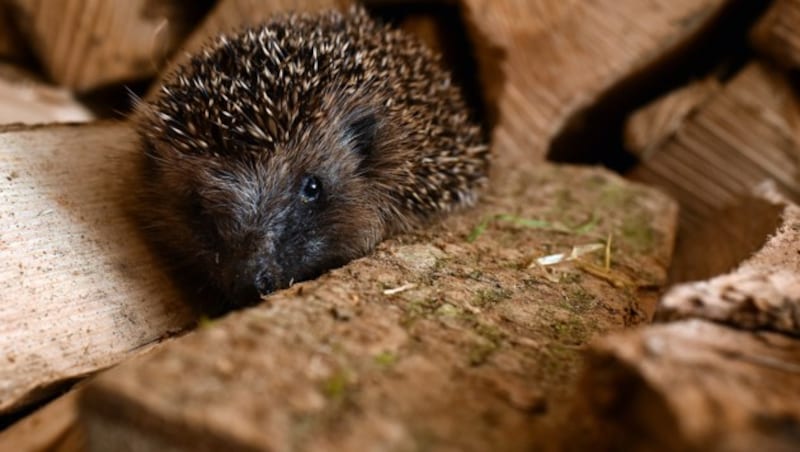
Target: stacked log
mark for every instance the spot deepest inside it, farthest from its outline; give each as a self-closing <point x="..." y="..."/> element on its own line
<point x="520" y="324"/>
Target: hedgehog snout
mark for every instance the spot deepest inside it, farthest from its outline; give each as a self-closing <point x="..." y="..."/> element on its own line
<point x="249" y="283"/>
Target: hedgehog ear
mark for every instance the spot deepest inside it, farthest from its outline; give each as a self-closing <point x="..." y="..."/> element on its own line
<point x="362" y="127"/>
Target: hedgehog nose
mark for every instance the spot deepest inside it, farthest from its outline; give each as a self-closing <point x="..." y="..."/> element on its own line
<point x="248" y="289"/>
<point x="264" y="283"/>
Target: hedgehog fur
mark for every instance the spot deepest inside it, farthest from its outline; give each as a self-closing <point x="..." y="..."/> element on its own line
<point x="296" y="146"/>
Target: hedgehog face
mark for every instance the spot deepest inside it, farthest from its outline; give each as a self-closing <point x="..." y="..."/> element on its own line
<point x="295" y="146"/>
<point x="257" y="221"/>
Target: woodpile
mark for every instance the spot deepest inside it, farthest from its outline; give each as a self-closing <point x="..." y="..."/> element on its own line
<point x="571" y="309"/>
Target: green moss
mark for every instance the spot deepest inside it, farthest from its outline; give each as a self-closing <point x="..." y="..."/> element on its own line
<point x="485" y="297"/>
<point x="572" y="331"/>
<point x="415" y="309"/>
<point x="569" y="278"/>
<point x="204" y="322"/>
<point x="616" y="196"/>
<point x="490" y="340"/>
<point x="559" y="364"/>
<point x="335" y="386"/>
<point x="421" y="307"/>
<point x="490" y="332"/>
<point x="637" y="232"/>
<point x="480" y="352"/>
<point x="385" y="359"/>
<point x="578" y="300"/>
<point x="448" y="310"/>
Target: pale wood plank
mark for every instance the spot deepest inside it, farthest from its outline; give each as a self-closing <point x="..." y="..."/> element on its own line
<point x="86" y="44"/>
<point x="79" y="290"/>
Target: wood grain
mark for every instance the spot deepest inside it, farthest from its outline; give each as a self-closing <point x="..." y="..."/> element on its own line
<point x="648" y="128"/>
<point x="79" y="290"/>
<point x="747" y="133"/>
<point x="86" y="44"/>
<point x="544" y="61"/>
<point x="777" y="33"/>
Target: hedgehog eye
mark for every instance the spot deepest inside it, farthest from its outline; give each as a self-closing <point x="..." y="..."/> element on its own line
<point x="361" y="133"/>
<point x="311" y="188"/>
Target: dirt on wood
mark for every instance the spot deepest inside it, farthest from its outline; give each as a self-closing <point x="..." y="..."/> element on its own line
<point x="452" y="339"/>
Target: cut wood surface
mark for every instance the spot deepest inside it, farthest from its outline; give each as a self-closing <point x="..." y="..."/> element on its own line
<point x="79" y="290"/>
<point x="650" y="127"/>
<point x="85" y="44"/>
<point x="696" y="386"/>
<point x="721" y="242"/>
<point x="449" y="339"/>
<point x="24" y="99"/>
<point x="777" y="33"/>
<point x="745" y="134"/>
<point x="558" y="57"/>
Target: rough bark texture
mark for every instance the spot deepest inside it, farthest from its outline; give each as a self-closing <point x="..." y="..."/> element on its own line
<point x="745" y="134"/>
<point x="777" y="34"/>
<point x="544" y="61"/>
<point x="84" y="44"/>
<point x="433" y="342"/>
<point x="696" y="386"/>
<point x="762" y="294"/>
<point x="79" y="290"/>
<point x="25" y="99"/>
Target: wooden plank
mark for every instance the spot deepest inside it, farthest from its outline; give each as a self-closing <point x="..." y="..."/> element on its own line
<point x="79" y="290"/>
<point x="84" y="44"/>
<point x="434" y="341"/>
<point x="25" y="99"/>
<point x="545" y="61"/>
<point x="747" y="133"/>
<point x="777" y="33"/>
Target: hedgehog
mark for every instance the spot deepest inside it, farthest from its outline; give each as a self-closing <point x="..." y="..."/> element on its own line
<point x="287" y="149"/>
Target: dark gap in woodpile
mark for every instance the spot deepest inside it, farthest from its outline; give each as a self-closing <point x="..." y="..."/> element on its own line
<point x="595" y="135"/>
